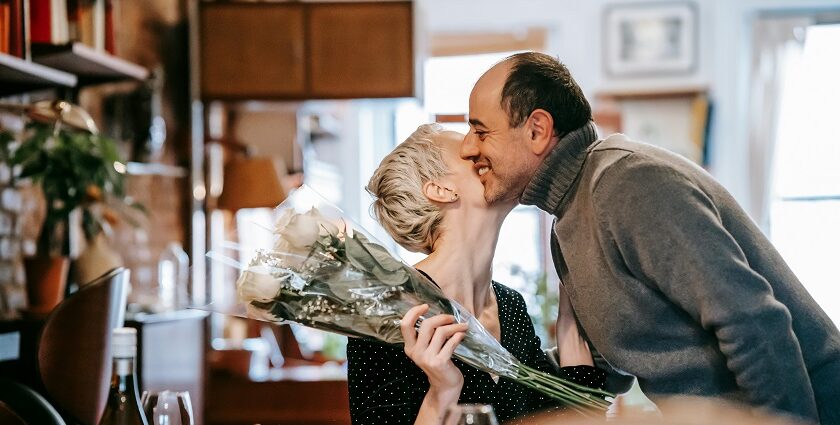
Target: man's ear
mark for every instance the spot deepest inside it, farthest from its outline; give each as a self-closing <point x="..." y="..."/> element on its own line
<point x="437" y="192"/>
<point x="540" y="131"/>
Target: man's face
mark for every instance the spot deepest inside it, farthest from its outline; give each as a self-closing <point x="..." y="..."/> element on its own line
<point x="501" y="155"/>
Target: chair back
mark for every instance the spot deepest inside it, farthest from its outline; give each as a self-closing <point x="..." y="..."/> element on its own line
<point x="74" y="351"/>
<point x="20" y="405"/>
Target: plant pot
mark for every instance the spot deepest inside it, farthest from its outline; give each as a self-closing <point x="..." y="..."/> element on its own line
<point x="46" y="280"/>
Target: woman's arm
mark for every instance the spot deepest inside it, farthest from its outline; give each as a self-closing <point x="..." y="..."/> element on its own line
<point x="572" y="348"/>
<point x="431" y="350"/>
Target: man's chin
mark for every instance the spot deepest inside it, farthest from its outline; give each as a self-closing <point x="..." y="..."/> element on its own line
<point x="495" y="194"/>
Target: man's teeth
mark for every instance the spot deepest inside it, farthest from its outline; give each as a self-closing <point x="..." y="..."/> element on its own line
<point x="483" y="170"/>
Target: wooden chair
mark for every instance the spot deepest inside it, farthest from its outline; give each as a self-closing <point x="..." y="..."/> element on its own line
<point x="20" y="405"/>
<point x="74" y="352"/>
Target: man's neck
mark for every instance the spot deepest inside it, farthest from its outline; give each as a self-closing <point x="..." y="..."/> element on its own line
<point x="554" y="177"/>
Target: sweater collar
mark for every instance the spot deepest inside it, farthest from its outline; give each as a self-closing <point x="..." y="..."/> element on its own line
<point x="558" y="171"/>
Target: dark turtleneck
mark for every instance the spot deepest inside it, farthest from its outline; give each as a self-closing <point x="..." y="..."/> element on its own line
<point x="549" y="186"/>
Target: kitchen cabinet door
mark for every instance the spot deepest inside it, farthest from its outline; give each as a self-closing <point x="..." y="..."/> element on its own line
<point x="252" y="50"/>
<point x="359" y="50"/>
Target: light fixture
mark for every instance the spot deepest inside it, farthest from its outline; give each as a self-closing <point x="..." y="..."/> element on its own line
<point x="251" y="182"/>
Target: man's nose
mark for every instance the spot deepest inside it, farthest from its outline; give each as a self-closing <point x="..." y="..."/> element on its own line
<point x="469" y="148"/>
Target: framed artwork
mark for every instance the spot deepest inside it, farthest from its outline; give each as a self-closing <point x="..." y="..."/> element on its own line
<point x="650" y="38"/>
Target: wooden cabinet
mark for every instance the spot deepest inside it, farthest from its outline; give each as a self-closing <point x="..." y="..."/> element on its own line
<point x="306" y="50"/>
<point x="285" y="400"/>
<point x="360" y="50"/>
<point x="252" y="50"/>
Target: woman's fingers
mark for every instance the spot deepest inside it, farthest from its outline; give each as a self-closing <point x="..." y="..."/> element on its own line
<point x="451" y="344"/>
<point x="433" y="333"/>
<point x="407" y="325"/>
<point x="428" y="327"/>
<point x="444" y="334"/>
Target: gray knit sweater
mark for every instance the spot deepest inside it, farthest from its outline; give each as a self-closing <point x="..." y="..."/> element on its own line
<point x="673" y="283"/>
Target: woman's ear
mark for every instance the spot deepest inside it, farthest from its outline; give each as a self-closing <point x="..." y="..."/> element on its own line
<point x="540" y="131"/>
<point x="436" y="192"/>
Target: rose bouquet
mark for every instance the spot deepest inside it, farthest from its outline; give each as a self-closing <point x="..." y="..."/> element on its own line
<point x="325" y="273"/>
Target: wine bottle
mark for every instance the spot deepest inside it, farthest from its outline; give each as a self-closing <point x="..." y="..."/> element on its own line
<point x="123" y="407"/>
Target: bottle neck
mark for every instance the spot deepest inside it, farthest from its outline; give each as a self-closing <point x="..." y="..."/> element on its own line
<point x="122" y="376"/>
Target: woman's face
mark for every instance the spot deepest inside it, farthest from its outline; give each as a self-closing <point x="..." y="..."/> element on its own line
<point x="462" y="176"/>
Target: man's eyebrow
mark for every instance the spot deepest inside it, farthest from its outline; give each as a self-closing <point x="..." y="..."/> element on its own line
<point x="475" y="122"/>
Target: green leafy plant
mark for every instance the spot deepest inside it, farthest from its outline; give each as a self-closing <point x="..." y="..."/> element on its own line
<point x="544" y="308"/>
<point x="75" y="170"/>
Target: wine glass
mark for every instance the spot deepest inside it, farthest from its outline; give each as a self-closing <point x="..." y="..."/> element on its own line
<point x="470" y="414"/>
<point x="167" y="407"/>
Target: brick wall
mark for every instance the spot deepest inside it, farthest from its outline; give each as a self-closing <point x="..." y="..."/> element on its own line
<point x="140" y="247"/>
<point x="22" y="210"/>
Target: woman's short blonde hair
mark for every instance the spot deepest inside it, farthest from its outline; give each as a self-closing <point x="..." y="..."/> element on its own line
<point x="397" y="188"/>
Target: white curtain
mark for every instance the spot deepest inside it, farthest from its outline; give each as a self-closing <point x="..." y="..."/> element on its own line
<point x="776" y="42"/>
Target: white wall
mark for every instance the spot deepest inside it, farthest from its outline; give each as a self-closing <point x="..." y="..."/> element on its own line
<point x="575" y="37"/>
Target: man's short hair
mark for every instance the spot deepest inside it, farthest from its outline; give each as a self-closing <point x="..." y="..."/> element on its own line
<point x="540" y="81"/>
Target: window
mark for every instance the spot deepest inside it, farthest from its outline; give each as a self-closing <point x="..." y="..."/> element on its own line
<point x="805" y="211"/>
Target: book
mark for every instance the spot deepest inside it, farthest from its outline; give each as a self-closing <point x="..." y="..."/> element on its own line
<point x="5" y="27"/>
<point x="99" y="25"/>
<point x="73" y="20"/>
<point x="110" y="42"/>
<point x="17" y="23"/>
<point x="88" y="22"/>
<point x="12" y="37"/>
<point x="48" y="21"/>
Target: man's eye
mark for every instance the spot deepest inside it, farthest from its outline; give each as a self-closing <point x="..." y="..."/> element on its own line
<point x="481" y="134"/>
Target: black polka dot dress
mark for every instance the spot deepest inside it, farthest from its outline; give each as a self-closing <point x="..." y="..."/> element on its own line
<point x="386" y="387"/>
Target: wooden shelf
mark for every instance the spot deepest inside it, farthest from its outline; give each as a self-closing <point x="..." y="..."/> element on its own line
<point x="655" y="93"/>
<point x="152" y="169"/>
<point x="20" y="76"/>
<point x="90" y="65"/>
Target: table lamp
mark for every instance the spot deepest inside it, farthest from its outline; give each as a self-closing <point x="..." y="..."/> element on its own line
<point x="251" y="182"/>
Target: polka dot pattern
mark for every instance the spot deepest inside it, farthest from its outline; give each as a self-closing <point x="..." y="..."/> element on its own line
<point x="386" y="387"/>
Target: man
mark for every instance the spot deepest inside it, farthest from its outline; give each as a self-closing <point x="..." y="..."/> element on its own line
<point x="670" y="279"/>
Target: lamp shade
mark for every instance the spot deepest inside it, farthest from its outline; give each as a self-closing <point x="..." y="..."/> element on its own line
<point x="251" y="182"/>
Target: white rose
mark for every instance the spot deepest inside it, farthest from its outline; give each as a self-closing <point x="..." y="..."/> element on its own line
<point x="296" y="233"/>
<point x="302" y="231"/>
<point x="325" y="225"/>
<point x="257" y="284"/>
<point x="260" y="314"/>
<point x="283" y="220"/>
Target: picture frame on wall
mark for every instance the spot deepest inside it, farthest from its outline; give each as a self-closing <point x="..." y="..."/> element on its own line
<point x="650" y="38"/>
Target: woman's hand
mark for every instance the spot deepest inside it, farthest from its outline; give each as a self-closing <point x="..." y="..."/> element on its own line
<point x="572" y="348"/>
<point x="431" y="349"/>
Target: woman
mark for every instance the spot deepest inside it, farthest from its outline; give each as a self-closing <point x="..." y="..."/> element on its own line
<point x="431" y="201"/>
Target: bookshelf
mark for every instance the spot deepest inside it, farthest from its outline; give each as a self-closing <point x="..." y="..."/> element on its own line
<point x="91" y="66"/>
<point x="21" y="76"/>
<point x="70" y="65"/>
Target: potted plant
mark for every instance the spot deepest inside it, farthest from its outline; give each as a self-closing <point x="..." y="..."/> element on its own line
<point x="81" y="177"/>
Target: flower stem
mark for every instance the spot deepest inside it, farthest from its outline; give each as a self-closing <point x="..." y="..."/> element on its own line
<point x="578" y="397"/>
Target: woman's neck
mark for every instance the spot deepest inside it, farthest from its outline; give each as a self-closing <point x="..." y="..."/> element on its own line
<point x="461" y="261"/>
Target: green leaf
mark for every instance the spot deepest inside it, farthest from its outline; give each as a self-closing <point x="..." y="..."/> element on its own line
<point x="65" y="163"/>
<point x="380" y="254"/>
<point x="374" y="259"/>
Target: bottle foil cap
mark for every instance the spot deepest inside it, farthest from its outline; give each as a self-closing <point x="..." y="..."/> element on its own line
<point x="124" y="342"/>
